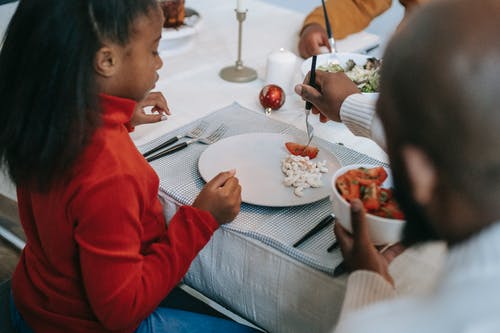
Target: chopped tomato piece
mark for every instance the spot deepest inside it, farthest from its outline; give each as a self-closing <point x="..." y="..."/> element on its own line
<point x="371" y="196"/>
<point x="377" y="174"/>
<point x="354" y="190"/>
<point x="343" y="186"/>
<point x="385" y="195"/>
<point x="301" y="150"/>
<point x="393" y="210"/>
<point x="365" y="182"/>
<point x="371" y="204"/>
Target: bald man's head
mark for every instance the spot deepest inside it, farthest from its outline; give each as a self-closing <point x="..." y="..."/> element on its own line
<point x="440" y="92"/>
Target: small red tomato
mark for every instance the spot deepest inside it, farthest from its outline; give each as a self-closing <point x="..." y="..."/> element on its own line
<point x="301" y="150"/>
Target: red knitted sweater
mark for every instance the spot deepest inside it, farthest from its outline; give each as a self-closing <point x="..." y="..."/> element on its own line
<point x="99" y="257"/>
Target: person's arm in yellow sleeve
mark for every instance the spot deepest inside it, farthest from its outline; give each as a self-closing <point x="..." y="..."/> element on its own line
<point x="346" y="17"/>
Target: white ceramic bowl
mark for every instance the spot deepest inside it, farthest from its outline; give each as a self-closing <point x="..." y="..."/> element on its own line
<point x="343" y="57"/>
<point x="382" y="230"/>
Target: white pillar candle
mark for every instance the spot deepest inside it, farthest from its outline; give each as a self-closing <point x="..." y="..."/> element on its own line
<point x="281" y="69"/>
<point x="240" y="7"/>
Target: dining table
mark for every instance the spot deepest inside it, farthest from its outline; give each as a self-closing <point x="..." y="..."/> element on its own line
<point x="250" y="265"/>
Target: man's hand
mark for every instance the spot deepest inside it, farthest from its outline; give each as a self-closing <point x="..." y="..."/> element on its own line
<point x="358" y="250"/>
<point x="332" y="90"/>
<point x="160" y="108"/>
<point x="312" y="38"/>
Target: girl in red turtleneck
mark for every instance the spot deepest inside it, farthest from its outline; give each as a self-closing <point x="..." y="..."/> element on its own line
<point x="98" y="257"/>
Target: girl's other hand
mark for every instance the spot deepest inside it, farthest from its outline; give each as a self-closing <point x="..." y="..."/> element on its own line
<point x="358" y="250"/>
<point x="221" y="196"/>
<point x="159" y="110"/>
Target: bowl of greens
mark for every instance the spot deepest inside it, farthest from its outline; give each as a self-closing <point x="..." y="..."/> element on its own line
<point x="362" y="69"/>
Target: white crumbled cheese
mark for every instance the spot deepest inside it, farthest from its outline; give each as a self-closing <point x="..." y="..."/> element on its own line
<point x="301" y="173"/>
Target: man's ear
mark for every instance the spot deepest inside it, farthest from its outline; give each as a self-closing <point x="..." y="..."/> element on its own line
<point x="421" y="174"/>
<point x="106" y="61"/>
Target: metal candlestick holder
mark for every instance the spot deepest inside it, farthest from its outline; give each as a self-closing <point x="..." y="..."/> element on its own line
<point x="238" y="72"/>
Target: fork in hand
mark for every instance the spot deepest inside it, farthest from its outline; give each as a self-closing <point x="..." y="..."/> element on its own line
<point x="333" y="59"/>
<point x="193" y="133"/>
<point x="312" y="82"/>
<point x="213" y="137"/>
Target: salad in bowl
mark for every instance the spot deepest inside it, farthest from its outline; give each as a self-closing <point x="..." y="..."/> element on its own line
<point x="362" y="69"/>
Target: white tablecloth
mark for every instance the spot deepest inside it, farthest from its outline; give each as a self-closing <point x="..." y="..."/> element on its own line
<point x="191" y="82"/>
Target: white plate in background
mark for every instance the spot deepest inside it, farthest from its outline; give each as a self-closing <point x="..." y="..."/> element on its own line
<point x="179" y="40"/>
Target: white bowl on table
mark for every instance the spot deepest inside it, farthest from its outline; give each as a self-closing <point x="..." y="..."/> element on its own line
<point x="382" y="230"/>
<point x="343" y="58"/>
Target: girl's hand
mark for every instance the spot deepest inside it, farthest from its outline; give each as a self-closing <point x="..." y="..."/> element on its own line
<point x="358" y="250"/>
<point x="160" y="109"/>
<point x="221" y="197"/>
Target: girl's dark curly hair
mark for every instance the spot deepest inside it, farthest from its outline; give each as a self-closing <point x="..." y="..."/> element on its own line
<point x="47" y="82"/>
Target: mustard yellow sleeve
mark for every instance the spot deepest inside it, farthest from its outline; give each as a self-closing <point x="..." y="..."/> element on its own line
<point x="348" y="16"/>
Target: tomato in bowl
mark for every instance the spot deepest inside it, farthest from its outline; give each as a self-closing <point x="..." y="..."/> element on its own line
<point x="372" y="185"/>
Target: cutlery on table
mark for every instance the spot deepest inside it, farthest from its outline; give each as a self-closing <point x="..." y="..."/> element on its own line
<point x="340" y="269"/>
<point x="332" y="247"/>
<point x="312" y="82"/>
<point x="320" y="226"/>
<point x="193" y="134"/>
<point x="208" y="140"/>
<point x="333" y="59"/>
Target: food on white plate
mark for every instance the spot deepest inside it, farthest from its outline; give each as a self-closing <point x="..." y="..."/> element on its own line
<point x="302" y="150"/>
<point x="301" y="173"/>
<point x="366" y="77"/>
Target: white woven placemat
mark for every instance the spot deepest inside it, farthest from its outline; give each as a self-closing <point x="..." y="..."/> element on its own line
<point x="276" y="227"/>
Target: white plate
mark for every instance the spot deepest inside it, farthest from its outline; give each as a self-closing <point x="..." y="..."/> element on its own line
<point x="257" y="160"/>
<point x="178" y="40"/>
